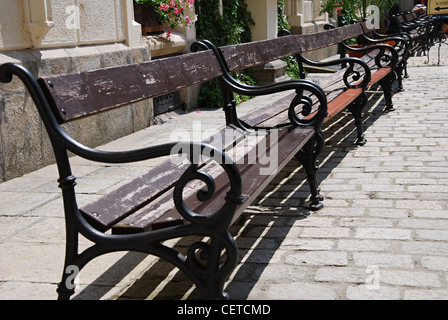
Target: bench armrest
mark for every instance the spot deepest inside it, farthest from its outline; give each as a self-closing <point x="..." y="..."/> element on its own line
<point x="353" y="70"/>
<point x="403" y="36"/>
<point x="401" y="46"/>
<point x="60" y="138"/>
<point x="382" y="59"/>
<point x="420" y="28"/>
<point x="230" y="85"/>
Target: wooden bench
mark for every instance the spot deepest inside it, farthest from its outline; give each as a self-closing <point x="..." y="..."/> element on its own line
<point x="371" y="37"/>
<point x="417" y="32"/>
<point x="401" y="43"/>
<point x="344" y="89"/>
<point x="348" y="89"/>
<point x="433" y="22"/>
<point x="200" y="191"/>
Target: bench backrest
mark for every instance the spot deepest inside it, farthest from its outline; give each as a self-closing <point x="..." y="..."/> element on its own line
<point x="409" y="17"/>
<point x="72" y="96"/>
<point x="261" y="52"/>
<point x="400" y="19"/>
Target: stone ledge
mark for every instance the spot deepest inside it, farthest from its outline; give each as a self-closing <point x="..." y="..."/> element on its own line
<point x="159" y="45"/>
<point x="271" y="72"/>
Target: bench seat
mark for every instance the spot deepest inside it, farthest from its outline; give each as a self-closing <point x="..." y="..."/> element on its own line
<point x="142" y="205"/>
<point x="161" y="212"/>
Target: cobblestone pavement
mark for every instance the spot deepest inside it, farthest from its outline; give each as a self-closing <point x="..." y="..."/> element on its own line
<point x="383" y="233"/>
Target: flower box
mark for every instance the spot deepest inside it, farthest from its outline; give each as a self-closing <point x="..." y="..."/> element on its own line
<point x="148" y="18"/>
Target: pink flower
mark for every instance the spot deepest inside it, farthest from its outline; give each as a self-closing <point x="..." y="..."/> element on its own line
<point x="177" y="10"/>
<point x="164" y="7"/>
<point x="173" y="13"/>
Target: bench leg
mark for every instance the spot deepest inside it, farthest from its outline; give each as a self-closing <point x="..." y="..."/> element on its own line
<point x="209" y="268"/>
<point x="308" y="158"/>
<point x="386" y="84"/>
<point x="405" y="68"/>
<point x="73" y="263"/>
<point x="399" y="72"/>
<point x="66" y="288"/>
<point x="356" y="110"/>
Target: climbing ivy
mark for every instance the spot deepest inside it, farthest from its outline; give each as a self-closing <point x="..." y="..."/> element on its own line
<point x="282" y="18"/>
<point x="232" y="27"/>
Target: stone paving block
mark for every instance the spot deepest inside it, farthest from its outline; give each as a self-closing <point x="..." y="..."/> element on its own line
<point x="383" y="233"/>
<point x="291" y="291"/>
<point x="364" y="293"/>
<point x="318" y="258"/>
<point x="17" y="203"/>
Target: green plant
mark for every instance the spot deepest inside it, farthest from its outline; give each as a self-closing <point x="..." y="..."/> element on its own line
<point x="232" y="27"/>
<point x="172" y="12"/>
<point x="346" y="10"/>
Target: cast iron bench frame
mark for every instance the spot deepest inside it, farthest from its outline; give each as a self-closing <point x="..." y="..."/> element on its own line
<point x="160" y="200"/>
<point x="378" y="66"/>
<point x="369" y="38"/>
<point x="418" y="32"/>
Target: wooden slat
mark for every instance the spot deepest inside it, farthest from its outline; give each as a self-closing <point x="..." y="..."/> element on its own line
<point x="77" y="95"/>
<point x="129" y="198"/>
<point x="253" y="182"/>
<point x="247" y="55"/>
<point x="120" y="203"/>
<point x="351" y="31"/>
<point x="380" y="74"/>
<point x="310" y="42"/>
<point x="342" y="101"/>
<point x="268" y="112"/>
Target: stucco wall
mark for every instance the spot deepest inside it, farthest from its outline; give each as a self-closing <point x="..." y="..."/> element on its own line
<point x="61" y="23"/>
<point x="305" y="18"/>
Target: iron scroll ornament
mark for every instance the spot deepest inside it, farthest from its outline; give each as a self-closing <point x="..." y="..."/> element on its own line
<point x="299" y="85"/>
<point x="356" y="67"/>
<point x="387" y="56"/>
<point x="233" y="197"/>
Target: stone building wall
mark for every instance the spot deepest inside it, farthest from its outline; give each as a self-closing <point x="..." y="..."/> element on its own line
<point x="305" y="18"/>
